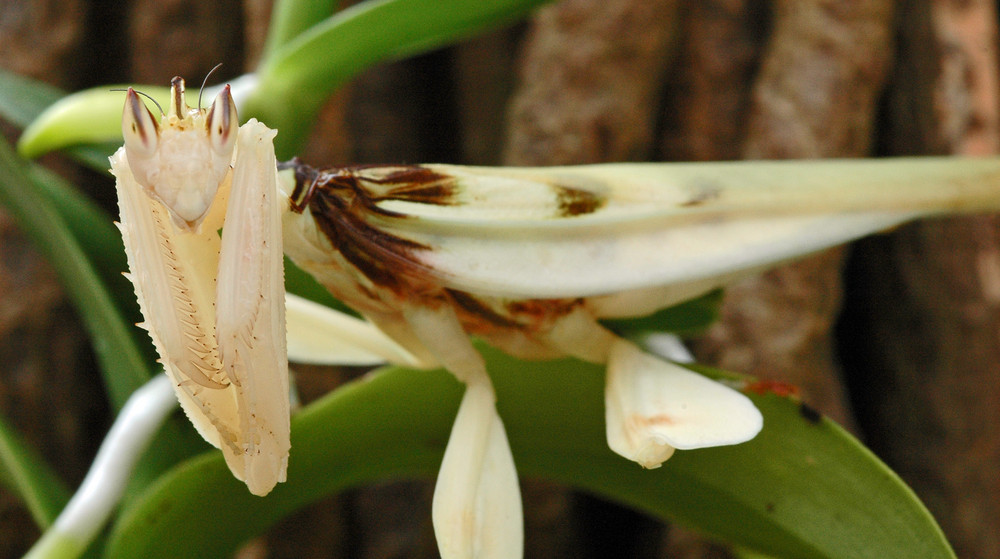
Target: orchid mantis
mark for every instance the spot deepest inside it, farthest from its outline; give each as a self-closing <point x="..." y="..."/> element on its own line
<point x="213" y="306"/>
<point x="527" y="259"/>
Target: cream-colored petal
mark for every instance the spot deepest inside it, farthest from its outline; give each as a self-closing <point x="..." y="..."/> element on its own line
<point x="477" y="500"/>
<point x="319" y="335"/>
<point x="653" y="406"/>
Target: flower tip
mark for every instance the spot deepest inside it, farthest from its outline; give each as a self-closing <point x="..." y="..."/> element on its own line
<point x="477" y="501"/>
<point x="654" y="406"/>
<point x="652" y="455"/>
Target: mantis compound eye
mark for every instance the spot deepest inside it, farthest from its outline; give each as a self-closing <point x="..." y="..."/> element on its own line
<point x="222" y="123"/>
<point x="139" y="127"/>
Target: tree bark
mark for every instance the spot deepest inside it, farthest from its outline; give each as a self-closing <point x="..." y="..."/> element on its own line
<point x="924" y="303"/>
<point x="590" y="82"/>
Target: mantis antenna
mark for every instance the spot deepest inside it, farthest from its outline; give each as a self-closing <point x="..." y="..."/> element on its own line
<point x="148" y="96"/>
<point x="201" y="90"/>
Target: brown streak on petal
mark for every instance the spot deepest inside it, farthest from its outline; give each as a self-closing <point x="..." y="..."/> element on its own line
<point x="411" y="183"/>
<point x="539" y="309"/>
<point x="575" y="201"/>
<point x="375" y="183"/>
<point x="480" y="310"/>
<point x="340" y="209"/>
<point x="305" y="183"/>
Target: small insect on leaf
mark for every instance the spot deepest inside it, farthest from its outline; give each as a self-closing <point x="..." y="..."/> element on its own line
<point x="214" y="307"/>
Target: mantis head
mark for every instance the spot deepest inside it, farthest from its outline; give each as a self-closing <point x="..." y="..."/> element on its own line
<point x="182" y="159"/>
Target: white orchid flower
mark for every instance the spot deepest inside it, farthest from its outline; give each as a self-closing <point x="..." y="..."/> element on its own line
<point x="527" y="259"/>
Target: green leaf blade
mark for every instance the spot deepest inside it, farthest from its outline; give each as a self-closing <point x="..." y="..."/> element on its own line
<point x="124" y="364"/>
<point x="800" y="489"/>
<point x="92" y="116"/>
<point x="24" y="472"/>
<point x="298" y="77"/>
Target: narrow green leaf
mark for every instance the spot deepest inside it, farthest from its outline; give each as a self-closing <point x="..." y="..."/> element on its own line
<point x="96" y="236"/>
<point x="290" y="18"/>
<point x="22" y="99"/>
<point x="123" y="363"/>
<point x="689" y="318"/>
<point x="803" y="488"/>
<point x="27" y="475"/>
<point x="298" y="77"/>
<point x="92" y="116"/>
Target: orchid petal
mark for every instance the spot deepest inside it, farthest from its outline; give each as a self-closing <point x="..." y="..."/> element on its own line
<point x="319" y="335"/>
<point x="654" y="406"/>
<point x="477" y="500"/>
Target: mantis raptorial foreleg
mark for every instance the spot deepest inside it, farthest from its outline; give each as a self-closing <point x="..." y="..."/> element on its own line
<point x="213" y="306"/>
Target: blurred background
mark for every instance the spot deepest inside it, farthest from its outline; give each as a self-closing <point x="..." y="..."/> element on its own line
<point x="896" y="337"/>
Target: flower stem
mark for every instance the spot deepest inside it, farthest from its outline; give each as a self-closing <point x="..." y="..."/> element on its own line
<point x="102" y="489"/>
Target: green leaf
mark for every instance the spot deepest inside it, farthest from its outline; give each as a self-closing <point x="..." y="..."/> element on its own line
<point x="24" y="472"/>
<point x="803" y="488"/>
<point x="689" y="318"/>
<point x="92" y="116"/>
<point x="290" y="18"/>
<point x="23" y="99"/>
<point x="22" y="192"/>
<point x="296" y="79"/>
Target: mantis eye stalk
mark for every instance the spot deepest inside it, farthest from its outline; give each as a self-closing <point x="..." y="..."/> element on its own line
<point x="222" y="123"/>
<point x="139" y="127"/>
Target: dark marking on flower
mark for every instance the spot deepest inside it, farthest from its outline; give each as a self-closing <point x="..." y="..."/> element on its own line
<point x="342" y="206"/>
<point x="538" y="309"/>
<point x="374" y="184"/>
<point x="305" y="183"/>
<point x="704" y="192"/>
<point x="769" y="507"/>
<point x="480" y="310"/>
<point x="576" y="201"/>
<point x="410" y="183"/>
<point x="811" y="414"/>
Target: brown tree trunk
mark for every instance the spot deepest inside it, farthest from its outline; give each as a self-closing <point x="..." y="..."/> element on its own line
<point x="924" y="303"/>
<point x="814" y="96"/>
<point x="589" y="88"/>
